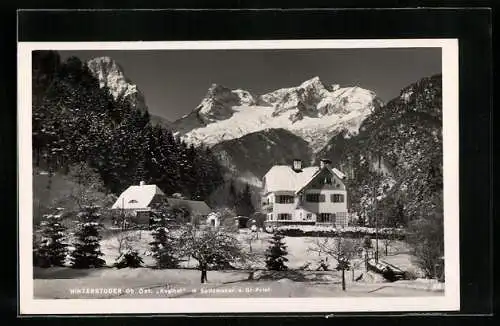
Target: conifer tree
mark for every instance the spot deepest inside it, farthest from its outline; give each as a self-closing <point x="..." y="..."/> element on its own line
<point x="128" y="258"/>
<point x="87" y="251"/>
<point x="164" y="243"/>
<point x="51" y="250"/>
<point x="232" y="196"/>
<point x="244" y="205"/>
<point x="276" y="254"/>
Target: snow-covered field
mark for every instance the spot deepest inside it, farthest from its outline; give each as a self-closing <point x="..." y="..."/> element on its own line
<point x="63" y="283"/>
<point x="297" y="282"/>
<point x="299" y="254"/>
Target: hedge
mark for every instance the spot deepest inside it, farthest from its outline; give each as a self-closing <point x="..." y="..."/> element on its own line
<point x="348" y="232"/>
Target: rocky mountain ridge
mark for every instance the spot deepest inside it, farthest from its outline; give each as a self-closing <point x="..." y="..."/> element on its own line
<point x="111" y="75"/>
<point x="312" y="111"/>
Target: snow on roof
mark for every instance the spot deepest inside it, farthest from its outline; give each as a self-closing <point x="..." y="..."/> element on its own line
<point x="284" y="178"/>
<point x="338" y="173"/>
<point x="196" y="207"/>
<point x="137" y="197"/>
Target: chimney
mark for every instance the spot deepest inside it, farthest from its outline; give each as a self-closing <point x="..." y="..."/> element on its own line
<point x="324" y="162"/>
<point x="297" y="165"/>
<point x="142" y="183"/>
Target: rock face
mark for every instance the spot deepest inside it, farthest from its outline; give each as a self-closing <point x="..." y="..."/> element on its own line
<point x="217" y="104"/>
<point x="111" y="75"/>
<point x="312" y="111"/>
<point x="251" y="156"/>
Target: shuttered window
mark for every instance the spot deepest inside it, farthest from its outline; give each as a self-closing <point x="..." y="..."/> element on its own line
<point x="315" y="198"/>
<point x="337" y="198"/>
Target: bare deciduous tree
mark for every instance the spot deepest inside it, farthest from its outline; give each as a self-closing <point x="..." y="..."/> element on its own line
<point x="210" y="248"/>
<point x="227" y="219"/>
<point x="125" y="239"/>
<point x="388" y="239"/>
<point x="340" y="249"/>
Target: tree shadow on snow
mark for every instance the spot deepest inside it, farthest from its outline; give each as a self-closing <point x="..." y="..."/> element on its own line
<point x="61" y="272"/>
<point x="293" y="275"/>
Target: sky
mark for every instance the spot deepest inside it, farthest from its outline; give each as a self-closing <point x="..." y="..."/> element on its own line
<point x="175" y="81"/>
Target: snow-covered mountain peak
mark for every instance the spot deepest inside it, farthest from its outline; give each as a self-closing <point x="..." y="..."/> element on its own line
<point x="314" y="82"/>
<point x="110" y="74"/>
<point x="310" y="110"/>
<point x="218" y="104"/>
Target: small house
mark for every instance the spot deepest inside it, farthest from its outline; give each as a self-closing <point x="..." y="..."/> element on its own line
<point x="213" y="219"/>
<point x="198" y="210"/>
<point x="137" y="201"/>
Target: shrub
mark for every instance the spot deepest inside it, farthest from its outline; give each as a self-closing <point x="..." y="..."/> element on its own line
<point x="426" y="239"/>
<point x="129" y="258"/>
<point x="347" y="232"/>
<point x="410" y="275"/>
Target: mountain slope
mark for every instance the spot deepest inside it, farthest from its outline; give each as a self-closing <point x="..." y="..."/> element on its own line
<point x="398" y="150"/>
<point x="311" y="111"/>
<point x="157" y="120"/>
<point x="252" y="155"/>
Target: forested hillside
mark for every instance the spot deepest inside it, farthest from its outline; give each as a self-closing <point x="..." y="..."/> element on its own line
<point x="397" y="156"/>
<point x="75" y="120"/>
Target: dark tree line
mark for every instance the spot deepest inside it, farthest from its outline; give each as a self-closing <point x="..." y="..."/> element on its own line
<point x="75" y="120"/>
<point x="240" y="201"/>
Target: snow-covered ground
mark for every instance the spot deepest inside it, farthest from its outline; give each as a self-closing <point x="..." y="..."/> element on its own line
<point x="297" y="282"/>
<point x="145" y="282"/>
<point x="299" y="254"/>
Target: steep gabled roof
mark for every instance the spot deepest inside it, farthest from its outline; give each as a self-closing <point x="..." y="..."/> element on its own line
<point x="196" y="207"/>
<point x="333" y="171"/>
<point x="284" y="178"/>
<point x="137" y="197"/>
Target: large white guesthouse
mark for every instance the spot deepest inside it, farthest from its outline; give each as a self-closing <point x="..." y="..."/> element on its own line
<point x="308" y="196"/>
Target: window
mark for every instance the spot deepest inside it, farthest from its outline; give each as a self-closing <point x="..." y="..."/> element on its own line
<point x="326" y="218"/>
<point x="284" y="217"/>
<point x="337" y="198"/>
<point x="270" y="217"/>
<point x="309" y="216"/>
<point x="285" y="199"/>
<point x="327" y="180"/>
<point x="315" y="198"/>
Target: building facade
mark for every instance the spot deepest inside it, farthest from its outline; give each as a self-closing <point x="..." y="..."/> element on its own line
<point x="306" y="196"/>
<point x="136" y="203"/>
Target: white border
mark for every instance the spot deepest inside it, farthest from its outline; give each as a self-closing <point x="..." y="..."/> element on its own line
<point x="448" y="302"/>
